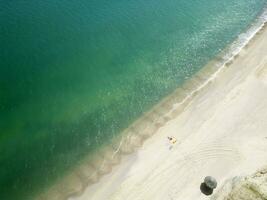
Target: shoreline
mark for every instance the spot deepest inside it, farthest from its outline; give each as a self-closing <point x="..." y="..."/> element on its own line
<point x="89" y="173"/>
<point x="221" y="133"/>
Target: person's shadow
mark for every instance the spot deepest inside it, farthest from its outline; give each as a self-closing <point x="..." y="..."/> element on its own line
<point x="205" y="190"/>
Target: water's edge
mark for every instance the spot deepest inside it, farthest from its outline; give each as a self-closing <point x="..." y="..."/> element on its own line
<point x="89" y="171"/>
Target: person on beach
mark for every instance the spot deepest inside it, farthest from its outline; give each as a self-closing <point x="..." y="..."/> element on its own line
<point x="172" y="139"/>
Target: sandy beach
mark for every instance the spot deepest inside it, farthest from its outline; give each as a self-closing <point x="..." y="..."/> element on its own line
<point x="222" y="132"/>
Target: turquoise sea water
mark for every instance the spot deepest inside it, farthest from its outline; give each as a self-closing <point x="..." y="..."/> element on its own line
<point x="73" y="73"/>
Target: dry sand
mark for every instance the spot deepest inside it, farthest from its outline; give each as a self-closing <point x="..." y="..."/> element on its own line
<point x="222" y="132"/>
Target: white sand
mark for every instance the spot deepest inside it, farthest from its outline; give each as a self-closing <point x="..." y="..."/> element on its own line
<point x="222" y="133"/>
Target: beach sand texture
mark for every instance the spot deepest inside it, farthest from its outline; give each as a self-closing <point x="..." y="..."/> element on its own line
<point x="222" y="132"/>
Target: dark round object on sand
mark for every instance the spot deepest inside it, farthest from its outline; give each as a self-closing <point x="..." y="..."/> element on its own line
<point x="205" y="189"/>
<point x="210" y="182"/>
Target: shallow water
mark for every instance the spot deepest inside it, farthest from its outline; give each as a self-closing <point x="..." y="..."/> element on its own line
<point x="73" y="74"/>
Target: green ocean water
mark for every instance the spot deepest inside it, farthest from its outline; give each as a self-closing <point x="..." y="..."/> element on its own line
<point x="73" y="73"/>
